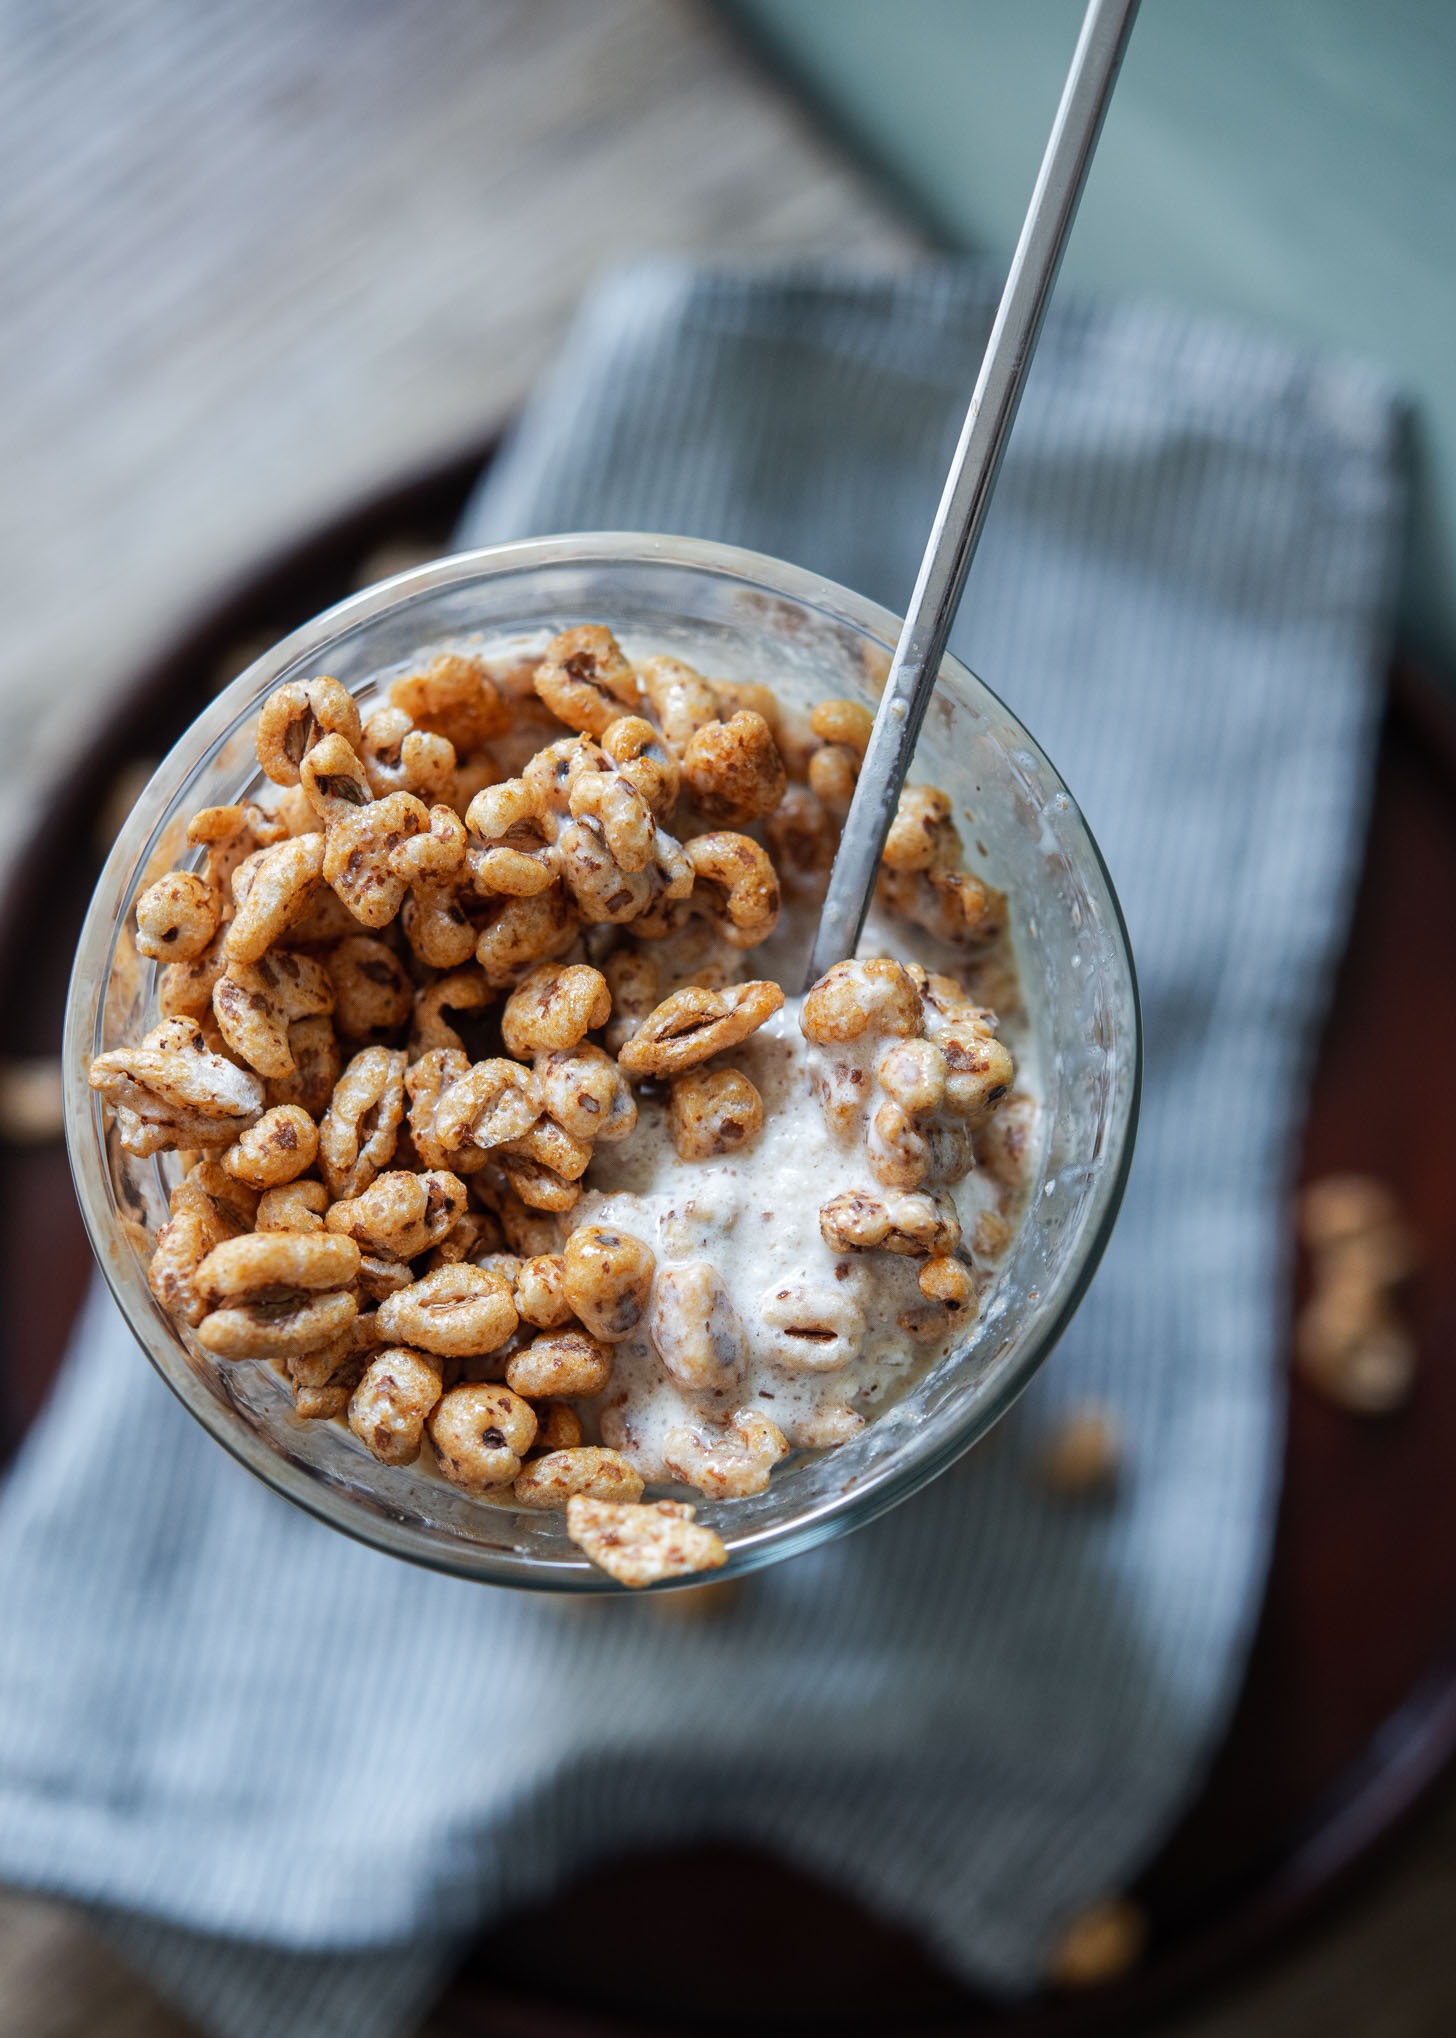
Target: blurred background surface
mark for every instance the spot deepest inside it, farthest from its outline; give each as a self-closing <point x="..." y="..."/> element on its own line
<point x="260" y="260"/>
<point x="1293" y="160"/>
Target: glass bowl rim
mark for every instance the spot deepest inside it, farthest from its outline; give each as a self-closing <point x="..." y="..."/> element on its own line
<point x="884" y="1486"/>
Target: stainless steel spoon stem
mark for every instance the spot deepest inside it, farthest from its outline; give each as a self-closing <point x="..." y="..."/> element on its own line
<point x="957" y="528"/>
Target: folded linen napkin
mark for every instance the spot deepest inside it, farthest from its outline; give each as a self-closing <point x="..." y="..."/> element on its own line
<point x="986" y="1709"/>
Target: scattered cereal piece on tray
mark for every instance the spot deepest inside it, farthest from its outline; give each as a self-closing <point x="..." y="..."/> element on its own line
<point x="32" y="1110"/>
<point x="1081" y="1457"/>
<point x="1349" y="1344"/>
<point x="1100" y="1945"/>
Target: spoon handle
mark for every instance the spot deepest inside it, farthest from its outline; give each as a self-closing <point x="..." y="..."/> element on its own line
<point x="957" y="527"/>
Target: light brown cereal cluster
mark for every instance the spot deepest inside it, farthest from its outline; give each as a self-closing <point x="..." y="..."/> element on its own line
<point x="1350" y="1342"/>
<point x="407" y="1006"/>
<point x="909" y="1061"/>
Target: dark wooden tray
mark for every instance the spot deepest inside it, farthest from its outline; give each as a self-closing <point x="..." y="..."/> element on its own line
<point x="1348" y="1714"/>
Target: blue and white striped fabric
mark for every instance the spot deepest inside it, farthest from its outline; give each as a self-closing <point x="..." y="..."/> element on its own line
<point x="985" y="1710"/>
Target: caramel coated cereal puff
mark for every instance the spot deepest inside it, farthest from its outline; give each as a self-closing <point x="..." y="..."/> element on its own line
<point x="511" y="850"/>
<point x="562" y="1365"/>
<point x="693" y="1024"/>
<point x="273" y="1294"/>
<point x="635" y="983"/>
<point x="979" y="1069"/>
<point x="951" y="1283"/>
<point x="670" y="888"/>
<point x="362" y="833"/>
<point x="909" y="1151"/>
<point x="280" y="1147"/>
<point x="434" y="916"/>
<point x="454" y="697"/>
<point x="538" y="1185"/>
<point x="952" y="906"/>
<point x="547" y="777"/>
<point x="843" y="731"/>
<point x="205" y="1208"/>
<point x="643" y="1543"/>
<point x="603" y="891"/>
<point x="380" y="1277"/>
<point x="463" y="990"/>
<point x="732" y="771"/>
<point x="584" y="679"/>
<point x="426" y="1081"/>
<point x="586" y="1094"/>
<point x="554" y="1006"/>
<point x="527" y="1232"/>
<point x="727" y="1465"/>
<point x="913" y="1223"/>
<point x="525" y="931"/>
<point x="951" y="1300"/>
<point x="317" y="1065"/>
<point x="495" y="1101"/>
<point x="401" y="1215"/>
<point x="171" y="1092"/>
<point x="456" y="1312"/>
<point x="295" y="718"/>
<point x="608" y="1278"/>
<point x="696" y="1330"/>
<point x="550" y="1145"/>
<point x="330" y="1399"/>
<point x="856" y="998"/>
<point x="273" y="889"/>
<point x="230" y="835"/>
<point x="359" y="1131"/>
<point x="713" y="1112"/>
<point x="817" y="1328"/>
<point x="681" y="700"/>
<point x="177" y="917"/>
<point x="558" y="1476"/>
<point x="256" y="1003"/>
<point x="824" y="1427"/>
<point x="599" y="794"/>
<point x="373" y="996"/>
<point x="540" y="1291"/>
<point x="558" y="1428"/>
<point x="802" y="838"/>
<point x="922" y="835"/>
<point x="184" y="989"/>
<point x="912" y="1073"/>
<point x="327" y="920"/>
<point x="922" y="878"/>
<point x="1004" y="1146"/>
<point x="642" y="758"/>
<point x="260" y="1264"/>
<point x="481" y="1432"/>
<point x="297" y="1206"/>
<point x="388" y="1409"/>
<point x="399" y="758"/>
<point x="735" y="885"/>
<point x="353" y="1347"/>
<point x="748" y="696"/>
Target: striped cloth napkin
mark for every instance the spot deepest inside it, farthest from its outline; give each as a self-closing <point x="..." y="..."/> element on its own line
<point x="988" y="1709"/>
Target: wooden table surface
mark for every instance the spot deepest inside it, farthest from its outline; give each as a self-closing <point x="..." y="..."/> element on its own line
<point x="257" y="259"/>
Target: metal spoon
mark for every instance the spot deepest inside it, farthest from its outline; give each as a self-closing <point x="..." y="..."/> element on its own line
<point x="957" y="527"/>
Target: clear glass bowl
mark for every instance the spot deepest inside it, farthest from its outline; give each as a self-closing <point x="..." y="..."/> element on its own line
<point x="737" y="615"/>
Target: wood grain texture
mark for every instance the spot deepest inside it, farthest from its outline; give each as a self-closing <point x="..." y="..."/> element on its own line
<point x="258" y="257"/>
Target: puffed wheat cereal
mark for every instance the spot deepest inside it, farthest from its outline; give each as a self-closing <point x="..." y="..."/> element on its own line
<point x="444" y="1014"/>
